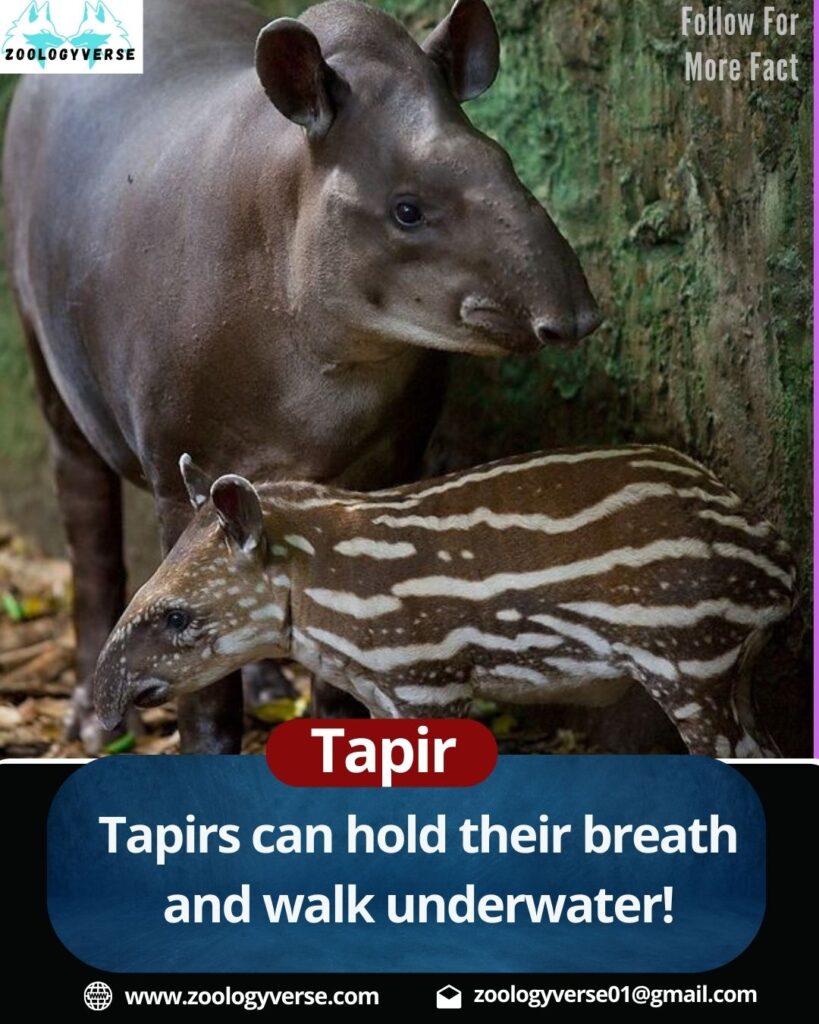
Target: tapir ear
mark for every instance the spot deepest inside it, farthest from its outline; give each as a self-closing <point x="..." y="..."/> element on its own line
<point x="240" y="511"/>
<point x="196" y="483"/>
<point x="295" y="76"/>
<point x="466" y="48"/>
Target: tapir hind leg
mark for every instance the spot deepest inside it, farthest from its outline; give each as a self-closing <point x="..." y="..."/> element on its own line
<point x="90" y="499"/>
<point x="329" y="702"/>
<point x="210" y="721"/>
<point x="706" y="715"/>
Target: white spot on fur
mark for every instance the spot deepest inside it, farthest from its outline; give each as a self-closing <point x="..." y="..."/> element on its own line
<point x="378" y="549"/>
<point x="295" y="540"/>
<point x="435" y="695"/>
<point x="508" y="615"/>
<point x="268" y="611"/>
<point x="520" y="673"/>
<point x="687" y="710"/>
<point x="243" y="641"/>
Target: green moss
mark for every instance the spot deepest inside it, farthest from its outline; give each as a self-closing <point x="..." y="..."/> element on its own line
<point x="689" y="205"/>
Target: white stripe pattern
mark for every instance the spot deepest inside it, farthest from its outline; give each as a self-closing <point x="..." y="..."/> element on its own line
<point x="351" y="604"/>
<point x="628" y="497"/>
<point x="653" y="664"/>
<point x="585" y="635"/>
<point x="666" y="467"/>
<point x="760" y="561"/>
<point x="585" y="669"/>
<point x="385" y="659"/>
<point x="521" y="674"/>
<point x="433" y="695"/>
<point x="714" y="667"/>
<point x="493" y="470"/>
<point x="674" y="615"/>
<point x="482" y="590"/>
<point x="762" y="529"/>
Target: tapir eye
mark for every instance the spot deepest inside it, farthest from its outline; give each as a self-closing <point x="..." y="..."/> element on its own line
<point x="177" y="620"/>
<point x="407" y="213"/>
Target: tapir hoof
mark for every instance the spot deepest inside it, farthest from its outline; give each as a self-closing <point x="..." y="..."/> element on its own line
<point x="263" y="682"/>
<point x="82" y="724"/>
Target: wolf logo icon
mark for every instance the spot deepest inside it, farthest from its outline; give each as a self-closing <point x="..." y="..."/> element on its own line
<point x="35" y="28"/>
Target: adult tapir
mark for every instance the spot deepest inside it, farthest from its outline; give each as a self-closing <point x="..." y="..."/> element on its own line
<point x="261" y="260"/>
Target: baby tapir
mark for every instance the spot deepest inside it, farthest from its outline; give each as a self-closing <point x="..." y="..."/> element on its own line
<point x="550" y="577"/>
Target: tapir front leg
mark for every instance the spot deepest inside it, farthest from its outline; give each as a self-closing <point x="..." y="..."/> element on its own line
<point x="90" y="500"/>
<point x="210" y="721"/>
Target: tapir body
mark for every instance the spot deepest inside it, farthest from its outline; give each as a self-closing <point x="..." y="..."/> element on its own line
<point x="262" y="263"/>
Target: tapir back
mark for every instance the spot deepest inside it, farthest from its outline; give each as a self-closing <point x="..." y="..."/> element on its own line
<point x="635" y="551"/>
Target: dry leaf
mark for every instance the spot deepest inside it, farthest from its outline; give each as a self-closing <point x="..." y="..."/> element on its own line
<point x="10" y="717"/>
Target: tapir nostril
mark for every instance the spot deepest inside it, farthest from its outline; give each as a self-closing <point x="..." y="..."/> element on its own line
<point x="567" y="327"/>
<point x="150" y="693"/>
<point x="545" y="332"/>
<point x="555" y="328"/>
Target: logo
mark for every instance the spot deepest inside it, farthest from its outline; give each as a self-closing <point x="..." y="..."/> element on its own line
<point x="71" y="37"/>
<point x="448" y="998"/>
<point x="98" y="995"/>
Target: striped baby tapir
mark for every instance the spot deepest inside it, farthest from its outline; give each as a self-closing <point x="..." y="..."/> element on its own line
<point x="560" y="577"/>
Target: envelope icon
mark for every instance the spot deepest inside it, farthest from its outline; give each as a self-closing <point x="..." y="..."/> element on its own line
<point x="448" y="998"/>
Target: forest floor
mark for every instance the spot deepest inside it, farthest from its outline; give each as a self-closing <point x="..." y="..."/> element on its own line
<point x="37" y="676"/>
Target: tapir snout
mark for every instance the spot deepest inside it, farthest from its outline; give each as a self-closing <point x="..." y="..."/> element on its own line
<point x="115" y="688"/>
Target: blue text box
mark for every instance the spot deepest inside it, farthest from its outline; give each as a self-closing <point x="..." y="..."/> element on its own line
<point x="108" y="909"/>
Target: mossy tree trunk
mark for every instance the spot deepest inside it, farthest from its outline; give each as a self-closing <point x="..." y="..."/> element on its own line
<point x="690" y="207"/>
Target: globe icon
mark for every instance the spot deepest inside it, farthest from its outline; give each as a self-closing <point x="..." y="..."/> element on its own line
<point x="98" y="995"/>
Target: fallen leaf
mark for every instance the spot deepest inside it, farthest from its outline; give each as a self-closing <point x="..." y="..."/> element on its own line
<point x="281" y="710"/>
<point x="503" y="725"/>
<point x="121" y="745"/>
<point x="11" y="606"/>
<point x="34" y="606"/>
<point x="10" y="717"/>
<point x="50" y="707"/>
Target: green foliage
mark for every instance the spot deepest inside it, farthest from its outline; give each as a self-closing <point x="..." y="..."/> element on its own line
<point x="21" y="431"/>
